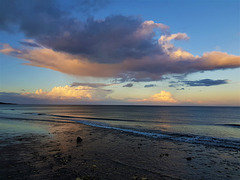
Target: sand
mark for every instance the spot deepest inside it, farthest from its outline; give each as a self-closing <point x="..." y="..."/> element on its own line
<point x="109" y="154"/>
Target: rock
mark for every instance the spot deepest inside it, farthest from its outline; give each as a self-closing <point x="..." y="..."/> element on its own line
<point x="79" y="139"/>
<point x="135" y="177"/>
<point x="189" y="158"/>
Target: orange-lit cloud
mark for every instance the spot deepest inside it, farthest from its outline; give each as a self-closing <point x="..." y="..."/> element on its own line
<point x="171" y="50"/>
<point x="147" y="27"/>
<point x="163" y="97"/>
<point x="80" y="93"/>
<point x="147" y="68"/>
<point x="63" y="62"/>
<point x="177" y="36"/>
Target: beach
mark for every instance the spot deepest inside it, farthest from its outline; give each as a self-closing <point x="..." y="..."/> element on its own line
<point x="109" y="154"/>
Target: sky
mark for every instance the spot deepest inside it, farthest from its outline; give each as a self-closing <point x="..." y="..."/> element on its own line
<point x="137" y="52"/>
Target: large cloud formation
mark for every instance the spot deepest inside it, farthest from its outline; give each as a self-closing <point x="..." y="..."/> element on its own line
<point x="122" y="47"/>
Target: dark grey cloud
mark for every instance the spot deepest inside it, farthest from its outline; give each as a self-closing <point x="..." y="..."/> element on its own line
<point x="111" y="40"/>
<point x="150" y="85"/>
<point x="31" y="17"/>
<point x="51" y="24"/>
<point x="206" y="82"/>
<point x="86" y="6"/>
<point x="202" y="82"/>
<point x="171" y="85"/>
<point x="94" y="85"/>
<point x="128" y="85"/>
<point x="175" y="84"/>
<point x="35" y="17"/>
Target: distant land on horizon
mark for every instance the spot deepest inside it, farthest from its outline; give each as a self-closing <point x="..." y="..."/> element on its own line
<point x="5" y="103"/>
<point x="8" y="103"/>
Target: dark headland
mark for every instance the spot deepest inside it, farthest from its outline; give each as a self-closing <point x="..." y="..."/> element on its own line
<point x="7" y="103"/>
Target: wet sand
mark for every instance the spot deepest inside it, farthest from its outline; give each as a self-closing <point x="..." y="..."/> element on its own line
<point x="110" y="154"/>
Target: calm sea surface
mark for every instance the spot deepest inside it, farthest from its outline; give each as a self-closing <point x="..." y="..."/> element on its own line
<point x="214" y="126"/>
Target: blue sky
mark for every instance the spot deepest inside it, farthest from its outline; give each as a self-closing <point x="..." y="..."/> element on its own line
<point x="198" y="27"/>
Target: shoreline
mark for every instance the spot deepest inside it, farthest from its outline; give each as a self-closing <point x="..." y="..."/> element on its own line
<point x="110" y="154"/>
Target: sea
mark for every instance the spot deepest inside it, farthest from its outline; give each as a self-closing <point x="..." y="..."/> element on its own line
<point x="211" y="126"/>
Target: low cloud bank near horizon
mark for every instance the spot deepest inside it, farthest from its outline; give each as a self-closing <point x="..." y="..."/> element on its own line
<point x="60" y="94"/>
<point x="84" y="95"/>
<point x="81" y="95"/>
<point x="161" y="98"/>
<point x="120" y="47"/>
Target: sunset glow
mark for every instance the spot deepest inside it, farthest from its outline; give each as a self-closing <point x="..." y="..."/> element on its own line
<point x="139" y="57"/>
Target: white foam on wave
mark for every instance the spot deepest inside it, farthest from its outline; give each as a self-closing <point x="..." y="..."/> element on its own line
<point x="220" y="142"/>
<point x="188" y="138"/>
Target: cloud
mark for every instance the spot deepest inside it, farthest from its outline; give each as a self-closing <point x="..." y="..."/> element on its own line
<point x="205" y="82"/>
<point x="146" y="69"/>
<point x="128" y="85"/>
<point x="93" y="85"/>
<point x="8" y="50"/>
<point x="202" y="82"/>
<point x="177" y="36"/>
<point x="150" y="85"/>
<point x="171" y="50"/>
<point x="162" y="97"/>
<point x="36" y="18"/>
<point x="30" y="43"/>
<point x="64" y="92"/>
<point x="67" y="92"/>
<point x="109" y="40"/>
<point x="87" y="6"/>
<point x="120" y="47"/>
<point x="59" y="94"/>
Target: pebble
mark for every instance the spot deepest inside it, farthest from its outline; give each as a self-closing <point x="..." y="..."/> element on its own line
<point x="79" y="139"/>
